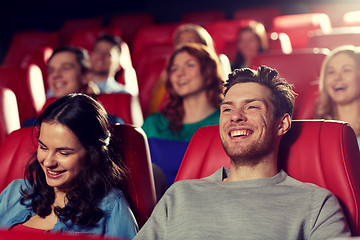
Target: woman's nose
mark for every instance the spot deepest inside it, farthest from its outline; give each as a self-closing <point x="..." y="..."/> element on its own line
<point x="180" y="71"/>
<point x="49" y="160"/>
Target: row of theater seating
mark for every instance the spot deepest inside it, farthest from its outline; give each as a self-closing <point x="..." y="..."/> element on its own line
<point x="152" y="44"/>
<point x="331" y="160"/>
<point x="293" y="39"/>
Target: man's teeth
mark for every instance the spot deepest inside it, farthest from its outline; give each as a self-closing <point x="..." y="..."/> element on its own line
<point x="239" y="133"/>
<point x="58" y="84"/>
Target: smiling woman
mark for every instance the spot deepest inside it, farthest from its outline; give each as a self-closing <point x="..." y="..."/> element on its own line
<point x="339" y="87"/>
<point x="73" y="182"/>
<point x="194" y="88"/>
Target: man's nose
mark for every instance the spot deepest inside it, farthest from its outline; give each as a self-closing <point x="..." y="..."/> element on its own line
<point x="238" y="116"/>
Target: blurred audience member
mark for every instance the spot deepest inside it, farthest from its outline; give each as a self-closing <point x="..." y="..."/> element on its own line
<point x="252" y="40"/>
<point x="69" y="72"/>
<point x="194" y="86"/>
<point x="187" y="33"/>
<point x="105" y="63"/>
<point x="340" y="87"/>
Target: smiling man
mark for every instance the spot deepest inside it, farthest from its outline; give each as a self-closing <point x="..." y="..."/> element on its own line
<point x="253" y="199"/>
<point x="69" y="72"/>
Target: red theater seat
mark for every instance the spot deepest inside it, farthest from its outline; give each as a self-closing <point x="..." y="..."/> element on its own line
<point x="351" y="18"/>
<point x="335" y="10"/>
<point x="28" y="86"/>
<point x="71" y="26"/>
<point x="265" y="15"/>
<point x="122" y="105"/>
<point x="298" y="26"/>
<point x="85" y="38"/>
<point x="225" y="34"/>
<point x="14" y="235"/>
<point x="300" y="68"/>
<point x="131" y="144"/>
<point x="325" y="153"/>
<point x="152" y="35"/>
<point x="130" y="24"/>
<point x="149" y="71"/>
<point x="307" y="108"/>
<point x="39" y="57"/>
<point x="26" y="43"/>
<point x="9" y="113"/>
<point x="338" y="37"/>
<point x="203" y="18"/>
<point x="225" y="31"/>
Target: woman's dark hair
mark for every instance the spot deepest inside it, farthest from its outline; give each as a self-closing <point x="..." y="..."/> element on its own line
<point x="211" y="72"/>
<point x="101" y="171"/>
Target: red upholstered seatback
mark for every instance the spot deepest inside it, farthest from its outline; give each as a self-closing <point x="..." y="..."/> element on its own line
<point x="203" y="17"/>
<point x="28" y="86"/>
<point x="263" y="14"/>
<point x="9" y="113"/>
<point x="307" y="108"/>
<point x="131" y="143"/>
<point x="300" y="68"/>
<point x="298" y="26"/>
<point x="338" y="37"/>
<point x="122" y="105"/>
<point x="20" y="235"/>
<point x="317" y="151"/>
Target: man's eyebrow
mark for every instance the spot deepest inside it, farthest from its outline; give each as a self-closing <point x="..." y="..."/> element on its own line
<point x="246" y="101"/>
<point x="226" y="103"/>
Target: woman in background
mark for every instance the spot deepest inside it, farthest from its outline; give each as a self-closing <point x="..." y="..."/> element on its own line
<point x="187" y="33"/>
<point x="252" y="40"/>
<point x="340" y="87"/>
<point x="73" y="182"/>
<point x="194" y="87"/>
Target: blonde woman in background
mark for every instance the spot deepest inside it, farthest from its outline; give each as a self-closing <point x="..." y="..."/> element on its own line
<point x="340" y="87"/>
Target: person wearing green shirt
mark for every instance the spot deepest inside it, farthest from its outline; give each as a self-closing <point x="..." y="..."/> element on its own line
<point x="194" y="87"/>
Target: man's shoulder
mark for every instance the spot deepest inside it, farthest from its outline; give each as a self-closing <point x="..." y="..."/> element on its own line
<point x="305" y="186"/>
<point x="206" y="181"/>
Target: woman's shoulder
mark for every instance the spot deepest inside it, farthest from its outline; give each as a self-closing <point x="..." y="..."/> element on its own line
<point x="113" y="197"/>
<point x="154" y="124"/>
<point x="15" y="186"/>
<point x="154" y="117"/>
<point x="11" y="195"/>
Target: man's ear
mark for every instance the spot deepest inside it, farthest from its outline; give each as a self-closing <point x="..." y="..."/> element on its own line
<point x="284" y="124"/>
